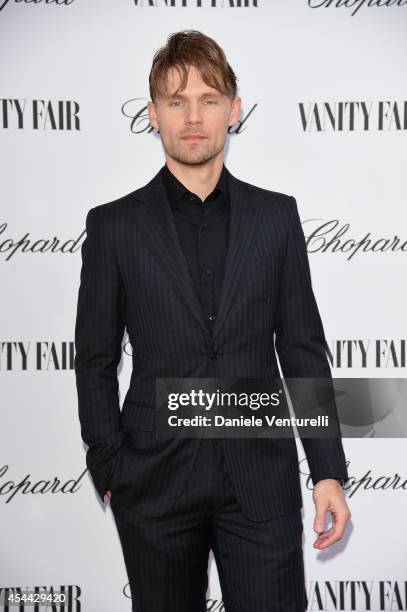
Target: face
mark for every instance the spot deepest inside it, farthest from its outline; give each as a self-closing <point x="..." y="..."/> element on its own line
<point x="198" y="110"/>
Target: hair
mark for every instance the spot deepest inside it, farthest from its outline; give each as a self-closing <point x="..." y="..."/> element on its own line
<point x="191" y="48"/>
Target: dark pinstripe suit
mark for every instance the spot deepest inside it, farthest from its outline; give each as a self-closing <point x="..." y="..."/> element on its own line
<point x="134" y="274"/>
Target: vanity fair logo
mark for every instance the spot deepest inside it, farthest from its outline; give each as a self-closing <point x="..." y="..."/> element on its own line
<point x="355" y="5"/>
<point x="368" y="353"/>
<point x="198" y="3"/>
<point x="136" y="110"/>
<point x="358" y="116"/>
<point x="358" y="595"/>
<point x="61" y="115"/>
<point x="46" y="355"/>
<point x="39" y="356"/>
<point x="55" y="597"/>
<point x="330" y="595"/>
<point x="4" y="3"/>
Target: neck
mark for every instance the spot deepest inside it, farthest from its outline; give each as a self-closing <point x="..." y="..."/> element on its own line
<point x="201" y="180"/>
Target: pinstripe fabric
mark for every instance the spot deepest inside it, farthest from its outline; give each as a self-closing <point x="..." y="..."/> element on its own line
<point x="134" y="274"/>
<point x="260" y="564"/>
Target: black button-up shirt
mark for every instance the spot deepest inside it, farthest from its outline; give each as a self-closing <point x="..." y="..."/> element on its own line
<point x="203" y="231"/>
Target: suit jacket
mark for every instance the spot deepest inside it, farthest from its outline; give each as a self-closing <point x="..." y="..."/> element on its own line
<point x="134" y="275"/>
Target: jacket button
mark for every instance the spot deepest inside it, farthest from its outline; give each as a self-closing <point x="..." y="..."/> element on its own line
<point x="215" y="355"/>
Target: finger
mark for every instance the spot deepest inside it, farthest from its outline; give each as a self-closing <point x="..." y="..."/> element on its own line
<point x="340" y="519"/>
<point x="324" y="543"/>
<point x="332" y="535"/>
<point x="319" y="520"/>
<point x="323" y="537"/>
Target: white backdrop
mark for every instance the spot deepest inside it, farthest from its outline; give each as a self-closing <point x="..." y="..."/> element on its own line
<point x="299" y="64"/>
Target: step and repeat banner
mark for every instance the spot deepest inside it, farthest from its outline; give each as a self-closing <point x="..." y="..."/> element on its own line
<point x="324" y="119"/>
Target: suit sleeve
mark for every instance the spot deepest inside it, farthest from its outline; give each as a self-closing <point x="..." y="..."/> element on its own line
<point x="301" y="345"/>
<point x="99" y="328"/>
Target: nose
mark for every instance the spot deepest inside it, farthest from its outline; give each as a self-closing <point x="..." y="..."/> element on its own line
<point x="193" y="114"/>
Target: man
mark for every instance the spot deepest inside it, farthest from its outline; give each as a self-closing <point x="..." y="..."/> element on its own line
<point x="205" y="271"/>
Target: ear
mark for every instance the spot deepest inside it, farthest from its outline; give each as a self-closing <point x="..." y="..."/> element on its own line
<point x="152" y="114"/>
<point x="235" y="111"/>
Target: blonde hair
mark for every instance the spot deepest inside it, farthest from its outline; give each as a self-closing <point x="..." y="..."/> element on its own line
<point x="191" y="47"/>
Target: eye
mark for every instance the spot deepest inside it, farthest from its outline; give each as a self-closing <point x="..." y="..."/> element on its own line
<point x="178" y="102"/>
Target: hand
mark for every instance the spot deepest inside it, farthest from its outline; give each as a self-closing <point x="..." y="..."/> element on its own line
<point x="109" y="494"/>
<point x="328" y="495"/>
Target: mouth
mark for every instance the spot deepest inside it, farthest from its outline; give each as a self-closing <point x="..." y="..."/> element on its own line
<point x="193" y="137"/>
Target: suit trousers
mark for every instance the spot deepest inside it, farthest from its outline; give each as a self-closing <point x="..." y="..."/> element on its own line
<point x="260" y="563"/>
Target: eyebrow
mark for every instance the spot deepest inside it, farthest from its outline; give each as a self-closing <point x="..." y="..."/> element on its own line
<point x="204" y="95"/>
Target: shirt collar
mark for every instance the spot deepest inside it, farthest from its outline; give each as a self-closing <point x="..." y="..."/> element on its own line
<point x="176" y="190"/>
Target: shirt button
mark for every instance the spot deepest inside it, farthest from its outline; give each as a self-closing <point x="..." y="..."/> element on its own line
<point x="215" y="355"/>
<point x="212" y="317"/>
<point x="192" y="198"/>
<point x="204" y="226"/>
<point x="208" y="271"/>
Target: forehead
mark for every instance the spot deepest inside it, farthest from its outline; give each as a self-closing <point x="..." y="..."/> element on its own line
<point x="195" y="83"/>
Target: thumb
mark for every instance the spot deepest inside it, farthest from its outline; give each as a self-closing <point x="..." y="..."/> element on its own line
<point x="319" y="520"/>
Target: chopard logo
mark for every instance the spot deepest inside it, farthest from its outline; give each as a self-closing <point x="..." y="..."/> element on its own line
<point x="3" y="3"/>
<point x="366" y="482"/>
<point x="332" y="236"/>
<point x="24" y="244"/>
<point x="356" y="5"/>
<point x="135" y="110"/>
<point x="27" y="485"/>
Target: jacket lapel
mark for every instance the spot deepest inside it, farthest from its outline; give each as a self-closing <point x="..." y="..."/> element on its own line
<point x="242" y="230"/>
<point x="154" y="219"/>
